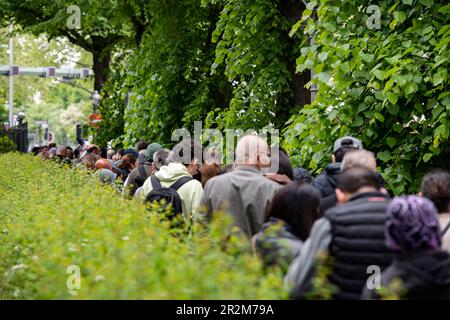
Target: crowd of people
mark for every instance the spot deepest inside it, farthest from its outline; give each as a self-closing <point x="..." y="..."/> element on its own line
<point x="289" y="217"/>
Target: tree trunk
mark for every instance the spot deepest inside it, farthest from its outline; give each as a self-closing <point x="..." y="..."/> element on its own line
<point x="102" y="59"/>
<point x="292" y="10"/>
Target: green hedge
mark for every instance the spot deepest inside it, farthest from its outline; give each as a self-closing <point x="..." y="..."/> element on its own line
<point x="7" y="145"/>
<point x="52" y="218"/>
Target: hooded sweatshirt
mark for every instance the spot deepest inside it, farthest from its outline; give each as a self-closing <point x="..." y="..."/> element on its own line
<point x="423" y="275"/>
<point x="190" y="193"/>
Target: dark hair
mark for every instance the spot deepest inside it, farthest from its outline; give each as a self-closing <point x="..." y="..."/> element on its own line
<point x="284" y="163"/>
<point x="127" y="161"/>
<point x="35" y="151"/>
<point x="436" y="187"/>
<point x="296" y="204"/>
<point x="93" y="148"/>
<point x="355" y="178"/>
<point x="103" y="153"/>
<point x="142" y="145"/>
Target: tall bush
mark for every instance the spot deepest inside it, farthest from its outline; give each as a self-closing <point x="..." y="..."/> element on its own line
<point x="387" y="86"/>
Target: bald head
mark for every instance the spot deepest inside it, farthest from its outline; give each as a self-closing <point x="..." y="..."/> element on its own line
<point x="359" y="158"/>
<point x="253" y="150"/>
<point x="103" y="164"/>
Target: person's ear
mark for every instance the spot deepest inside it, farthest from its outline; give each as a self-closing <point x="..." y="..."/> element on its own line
<point x="333" y="158"/>
<point x="263" y="160"/>
<point x="340" y="195"/>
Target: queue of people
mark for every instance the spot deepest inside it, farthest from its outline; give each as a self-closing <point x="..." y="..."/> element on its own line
<point x="290" y="218"/>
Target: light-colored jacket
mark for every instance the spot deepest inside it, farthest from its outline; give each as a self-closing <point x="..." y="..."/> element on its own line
<point x="190" y="193"/>
<point x="444" y="220"/>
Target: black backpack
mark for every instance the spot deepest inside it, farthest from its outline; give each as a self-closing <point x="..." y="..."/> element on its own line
<point x="170" y="194"/>
<point x="139" y="181"/>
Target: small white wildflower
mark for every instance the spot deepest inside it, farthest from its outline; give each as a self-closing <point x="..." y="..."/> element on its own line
<point x="18" y="266"/>
<point x="99" y="278"/>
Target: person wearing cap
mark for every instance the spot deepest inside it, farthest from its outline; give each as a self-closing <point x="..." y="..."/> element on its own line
<point x="138" y="175"/>
<point x="326" y="181"/>
<point x="420" y="269"/>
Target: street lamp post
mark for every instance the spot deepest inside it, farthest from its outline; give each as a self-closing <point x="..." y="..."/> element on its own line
<point x="22" y="133"/>
<point x="95" y="100"/>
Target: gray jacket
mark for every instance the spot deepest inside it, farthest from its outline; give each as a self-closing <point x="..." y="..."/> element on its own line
<point x="302" y="269"/>
<point x="244" y="193"/>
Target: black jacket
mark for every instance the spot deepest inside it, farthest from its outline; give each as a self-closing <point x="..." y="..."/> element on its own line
<point x="423" y="275"/>
<point x="302" y="175"/>
<point x="326" y="181"/>
<point x="358" y="241"/>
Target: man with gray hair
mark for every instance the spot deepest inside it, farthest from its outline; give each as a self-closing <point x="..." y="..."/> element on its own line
<point x="352" y="159"/>
<point x="160" y="158"/>
<point x="243" y="193"/>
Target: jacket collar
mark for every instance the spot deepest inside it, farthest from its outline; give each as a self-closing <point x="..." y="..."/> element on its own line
<point x="243" y="167"/>
<point x="366" y="195"/>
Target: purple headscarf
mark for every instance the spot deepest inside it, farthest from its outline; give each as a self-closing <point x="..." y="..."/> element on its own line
<point x="412" y="223"/>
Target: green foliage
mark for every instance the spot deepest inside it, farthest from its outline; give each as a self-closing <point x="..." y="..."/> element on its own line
<point x="389" y="87"/>
<point x="253" y="46"/>
<point x="7" y="145"/>
<point x="169" y="75"/>
<point x="321" y="287"/>
<point x="112" y="105"/>
<point x="63" y="217"/>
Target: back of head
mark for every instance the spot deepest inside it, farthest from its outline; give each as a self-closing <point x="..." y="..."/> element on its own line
<point x="436" y="187"/>
<point x="345" y="144"/>
<point x="142" y="157"/>
<point x="103" y="164"/>
<point x="412" y="225"/>
<point x="90" y="160"/>
<point x="62" y="151"/>
<point x="128" y="162"/>
<point x="252" y="150"/>
<point x="209" y="171"/>
<point x="131" y="151"/>
<point x="351" y="180"/>
<point x="141" y="145"/>
<point x="298" y="205"/>
<point x="160" y="158"/>
<point x="109" y="154"/>
<point x="282" y="163"/>
<point x="186" y="152"/>
<point x="359" y="158"/>
<point x="94" y="149"/>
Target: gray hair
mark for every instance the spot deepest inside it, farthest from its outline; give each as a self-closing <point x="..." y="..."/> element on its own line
<point x="161" y="158"/>
<point x="359" y="158"/>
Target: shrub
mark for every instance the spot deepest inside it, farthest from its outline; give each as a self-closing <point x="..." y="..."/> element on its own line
<point x="7" y="145"/>
<point x="52" y="218"/>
